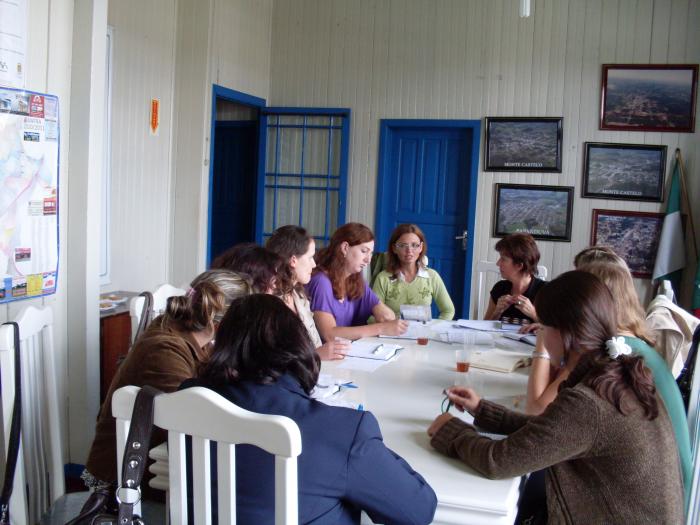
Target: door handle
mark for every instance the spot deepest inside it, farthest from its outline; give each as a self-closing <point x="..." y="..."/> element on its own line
<point x="463" y="238"/>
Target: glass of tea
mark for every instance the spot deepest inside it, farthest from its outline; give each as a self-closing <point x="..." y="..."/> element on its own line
<point x="462" y="358"/>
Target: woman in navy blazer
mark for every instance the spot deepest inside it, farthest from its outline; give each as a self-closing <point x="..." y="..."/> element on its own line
<point x="264" y="361"/>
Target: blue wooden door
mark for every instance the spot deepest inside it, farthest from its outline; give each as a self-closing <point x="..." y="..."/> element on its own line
<point x="427" y="176"/>
<point x="233" y="185"/>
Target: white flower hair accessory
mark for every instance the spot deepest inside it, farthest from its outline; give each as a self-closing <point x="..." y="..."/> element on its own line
<point x="616" y="347"/>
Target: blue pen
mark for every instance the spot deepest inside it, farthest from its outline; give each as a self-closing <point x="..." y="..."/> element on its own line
<point x="378" y="348"/>
<point x="349" y="384"/>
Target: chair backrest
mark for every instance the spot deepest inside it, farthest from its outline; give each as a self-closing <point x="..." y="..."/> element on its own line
<point x="483" y="269"/>
<point x="160" y="301"/>
<point x="693" y="511"/>
<point x="39" y="478"/>
<point x="666" y="288"/>
<point x="207" y="416"/>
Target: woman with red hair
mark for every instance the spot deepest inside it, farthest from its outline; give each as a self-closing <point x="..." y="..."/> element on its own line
<point x="341" y="300"/>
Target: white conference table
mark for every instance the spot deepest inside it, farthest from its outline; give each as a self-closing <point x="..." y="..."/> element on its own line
<point x="405" y="395"/>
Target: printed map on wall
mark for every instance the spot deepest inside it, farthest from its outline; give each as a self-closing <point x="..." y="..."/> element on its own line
<point x="28" y="194"/>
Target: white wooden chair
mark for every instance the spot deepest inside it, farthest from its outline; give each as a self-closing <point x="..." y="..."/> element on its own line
<point x="39" y="478"/>
<point x="207" y="416"/>
<point x="484" y="270"/>
<point x="160" y="301"/>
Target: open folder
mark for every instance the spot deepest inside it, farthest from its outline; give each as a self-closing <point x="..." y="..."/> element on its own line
<point x="373" y="350"/>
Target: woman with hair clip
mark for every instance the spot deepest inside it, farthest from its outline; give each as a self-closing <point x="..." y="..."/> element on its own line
<point x="341" y="300"/>
<point x="166" y="354"/>
<point x="632" y="326"/>
<point x="297" y="248"/>
<point x="606" y="441"/>
<point x="406" y="279"/>
<point x="264" y="361"/>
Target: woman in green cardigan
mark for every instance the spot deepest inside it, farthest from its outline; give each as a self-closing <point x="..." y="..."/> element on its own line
<point x="406" y="279"/>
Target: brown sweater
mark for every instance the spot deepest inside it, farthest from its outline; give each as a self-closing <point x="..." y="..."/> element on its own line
<point x="602" y="467"/>
<point x="162" y="358"/>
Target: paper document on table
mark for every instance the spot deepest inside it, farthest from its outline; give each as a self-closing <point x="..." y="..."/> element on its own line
<point x="498" y="360"/>
<point x="529" y="339"/>
<point x="373" y="350"/>
<point x="487" y="326"/>
<point x="415" y="330"/>
<point x="326" y="386"/>
<point x="462" y="335"/>
<point x="361" y="365"/>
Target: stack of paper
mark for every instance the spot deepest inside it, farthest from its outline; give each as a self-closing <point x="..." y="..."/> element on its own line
<point x="488" y="326"/>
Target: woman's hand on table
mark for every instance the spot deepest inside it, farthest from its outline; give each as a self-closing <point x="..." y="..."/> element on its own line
<point x="334" y="350"/>
<point x="524" y="304"/>
<point x="439" y="422"/>
<point x="529" y="328"/>
<point x="464" y="398"/>
<point x="396" y="327"/>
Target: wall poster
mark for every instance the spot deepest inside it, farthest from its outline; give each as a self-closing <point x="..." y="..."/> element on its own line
<point x="28" y="194"/>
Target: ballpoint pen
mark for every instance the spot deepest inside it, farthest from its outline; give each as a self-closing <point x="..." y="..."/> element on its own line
<point x="378" y="348"/>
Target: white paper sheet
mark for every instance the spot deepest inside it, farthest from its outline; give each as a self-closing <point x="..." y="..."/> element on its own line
<point x="361" y="365"/>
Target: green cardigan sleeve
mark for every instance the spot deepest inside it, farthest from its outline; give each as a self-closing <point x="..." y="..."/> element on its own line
<point x="441" y="296"/>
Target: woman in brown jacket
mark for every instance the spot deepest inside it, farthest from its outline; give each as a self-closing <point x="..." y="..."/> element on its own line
<point x="166" y="354"/>
<point x="606" y="441"/>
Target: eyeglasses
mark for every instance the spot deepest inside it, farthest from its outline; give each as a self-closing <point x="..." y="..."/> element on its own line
<point x="406" y="246"/>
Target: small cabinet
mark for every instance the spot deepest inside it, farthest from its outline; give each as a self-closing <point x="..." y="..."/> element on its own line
<point x="115" y="339"/>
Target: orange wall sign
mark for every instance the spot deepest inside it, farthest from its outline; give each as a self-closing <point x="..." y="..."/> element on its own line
<point x="155" y="115"/>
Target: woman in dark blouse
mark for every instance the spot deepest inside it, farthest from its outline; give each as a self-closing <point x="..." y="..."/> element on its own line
<point x="512" y="298"/>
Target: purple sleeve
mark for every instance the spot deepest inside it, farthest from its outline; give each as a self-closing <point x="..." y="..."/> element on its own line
<point x="364" y="307"/>
<point x="320" y="292"/>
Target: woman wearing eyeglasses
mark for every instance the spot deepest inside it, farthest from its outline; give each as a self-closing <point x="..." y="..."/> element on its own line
<point x="407" y="279"/>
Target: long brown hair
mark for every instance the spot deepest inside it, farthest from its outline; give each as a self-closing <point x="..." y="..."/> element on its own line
<point x="582" y="309"/>
<point x="630" y="314"/>
<point x="287" y="241"/>
<point x="393" y="264"/>
<point x="331" y="261"/>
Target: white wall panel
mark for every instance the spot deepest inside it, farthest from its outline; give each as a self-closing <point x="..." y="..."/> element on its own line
<point x="141" y="182"/>
<point x="49" y="41"/>
<point x="467" y="59"/>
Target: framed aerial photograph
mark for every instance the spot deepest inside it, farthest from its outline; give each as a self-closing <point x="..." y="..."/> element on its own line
<point x="649" y="97"/>
<point x="542" y="211"/>
<point x="624" y="171"/>
<point x="523" y="144"/>
<point x="634" y="235"/>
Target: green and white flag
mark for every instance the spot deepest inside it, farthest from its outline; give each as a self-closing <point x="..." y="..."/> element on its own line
<point x="670" y="258"/>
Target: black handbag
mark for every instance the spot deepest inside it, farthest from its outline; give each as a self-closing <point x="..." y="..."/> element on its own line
<point x="685" y="379"/>
<point x="146" y="313"/>
<point x="110" y="506"/>
<point x="15" y="432"/>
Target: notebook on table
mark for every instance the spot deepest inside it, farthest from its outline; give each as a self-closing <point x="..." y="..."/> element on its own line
<point x="373" y="350"/>
<point x="498" y="360"/>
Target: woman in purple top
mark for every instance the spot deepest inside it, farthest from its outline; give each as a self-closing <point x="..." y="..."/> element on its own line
<point x="341" y="300"/>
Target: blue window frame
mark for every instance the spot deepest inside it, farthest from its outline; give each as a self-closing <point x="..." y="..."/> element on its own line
<point x="303" y="164"/>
